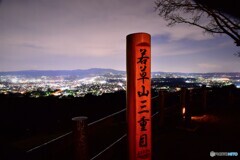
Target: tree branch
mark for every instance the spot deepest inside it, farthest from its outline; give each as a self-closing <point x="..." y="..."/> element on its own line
<point x="228" y="33"/>
<point x="235" y="33"/>
<point x="218" y="22"/>
<point x="236" y="26"/>
<point x="198" y="25"/>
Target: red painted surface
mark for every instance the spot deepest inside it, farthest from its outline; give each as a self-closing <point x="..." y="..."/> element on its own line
<point x="139" y="96"/>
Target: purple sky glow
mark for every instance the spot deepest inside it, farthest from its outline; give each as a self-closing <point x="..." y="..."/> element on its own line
<point x="82" y="34"/>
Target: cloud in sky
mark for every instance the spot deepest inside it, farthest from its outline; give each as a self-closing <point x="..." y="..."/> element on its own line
<point x="71" y="34"/>
<point x="207" y="66"/>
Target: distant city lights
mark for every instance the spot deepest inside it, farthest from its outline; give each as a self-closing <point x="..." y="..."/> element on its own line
<point x="63" y="86"/>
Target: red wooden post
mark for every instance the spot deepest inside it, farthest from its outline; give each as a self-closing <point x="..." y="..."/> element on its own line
<point x="139" y="96"/>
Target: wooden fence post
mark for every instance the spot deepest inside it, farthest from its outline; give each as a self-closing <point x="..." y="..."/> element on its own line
<point x="189" y="108"/>
<point x="230" y="97"/>
<point x="204" y="98"/>
<point x="80" y="138"/>
<point x="183" y="101"/>
<point x="161" y="107"/>
<point x="139" y="96"/>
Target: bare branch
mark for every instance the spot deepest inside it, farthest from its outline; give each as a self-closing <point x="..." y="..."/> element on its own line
<point x="235" y="25"/>
<point x="225" y="31"/>
<point x="226" y="25"/>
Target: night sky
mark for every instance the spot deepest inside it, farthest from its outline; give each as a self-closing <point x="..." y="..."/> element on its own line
<point x="82" y="34"/>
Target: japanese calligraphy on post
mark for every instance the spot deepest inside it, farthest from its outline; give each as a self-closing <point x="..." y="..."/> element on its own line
<point x="143" y="101"/>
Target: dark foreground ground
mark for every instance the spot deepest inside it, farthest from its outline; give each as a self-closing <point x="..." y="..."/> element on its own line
<point x="218" y="131"/>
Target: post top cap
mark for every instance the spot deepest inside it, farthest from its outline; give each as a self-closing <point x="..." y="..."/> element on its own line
<point x="80" y="118"/>
<point x="138" y="33"/>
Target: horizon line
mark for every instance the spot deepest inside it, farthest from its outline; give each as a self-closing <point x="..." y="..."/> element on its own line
<point x="37" y="70"/>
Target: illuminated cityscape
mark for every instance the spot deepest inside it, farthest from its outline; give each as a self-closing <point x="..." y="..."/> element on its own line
<point x="98" y="84"/>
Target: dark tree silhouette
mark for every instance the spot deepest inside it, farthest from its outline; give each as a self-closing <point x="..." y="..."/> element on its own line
<point x="211" y="20"/>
